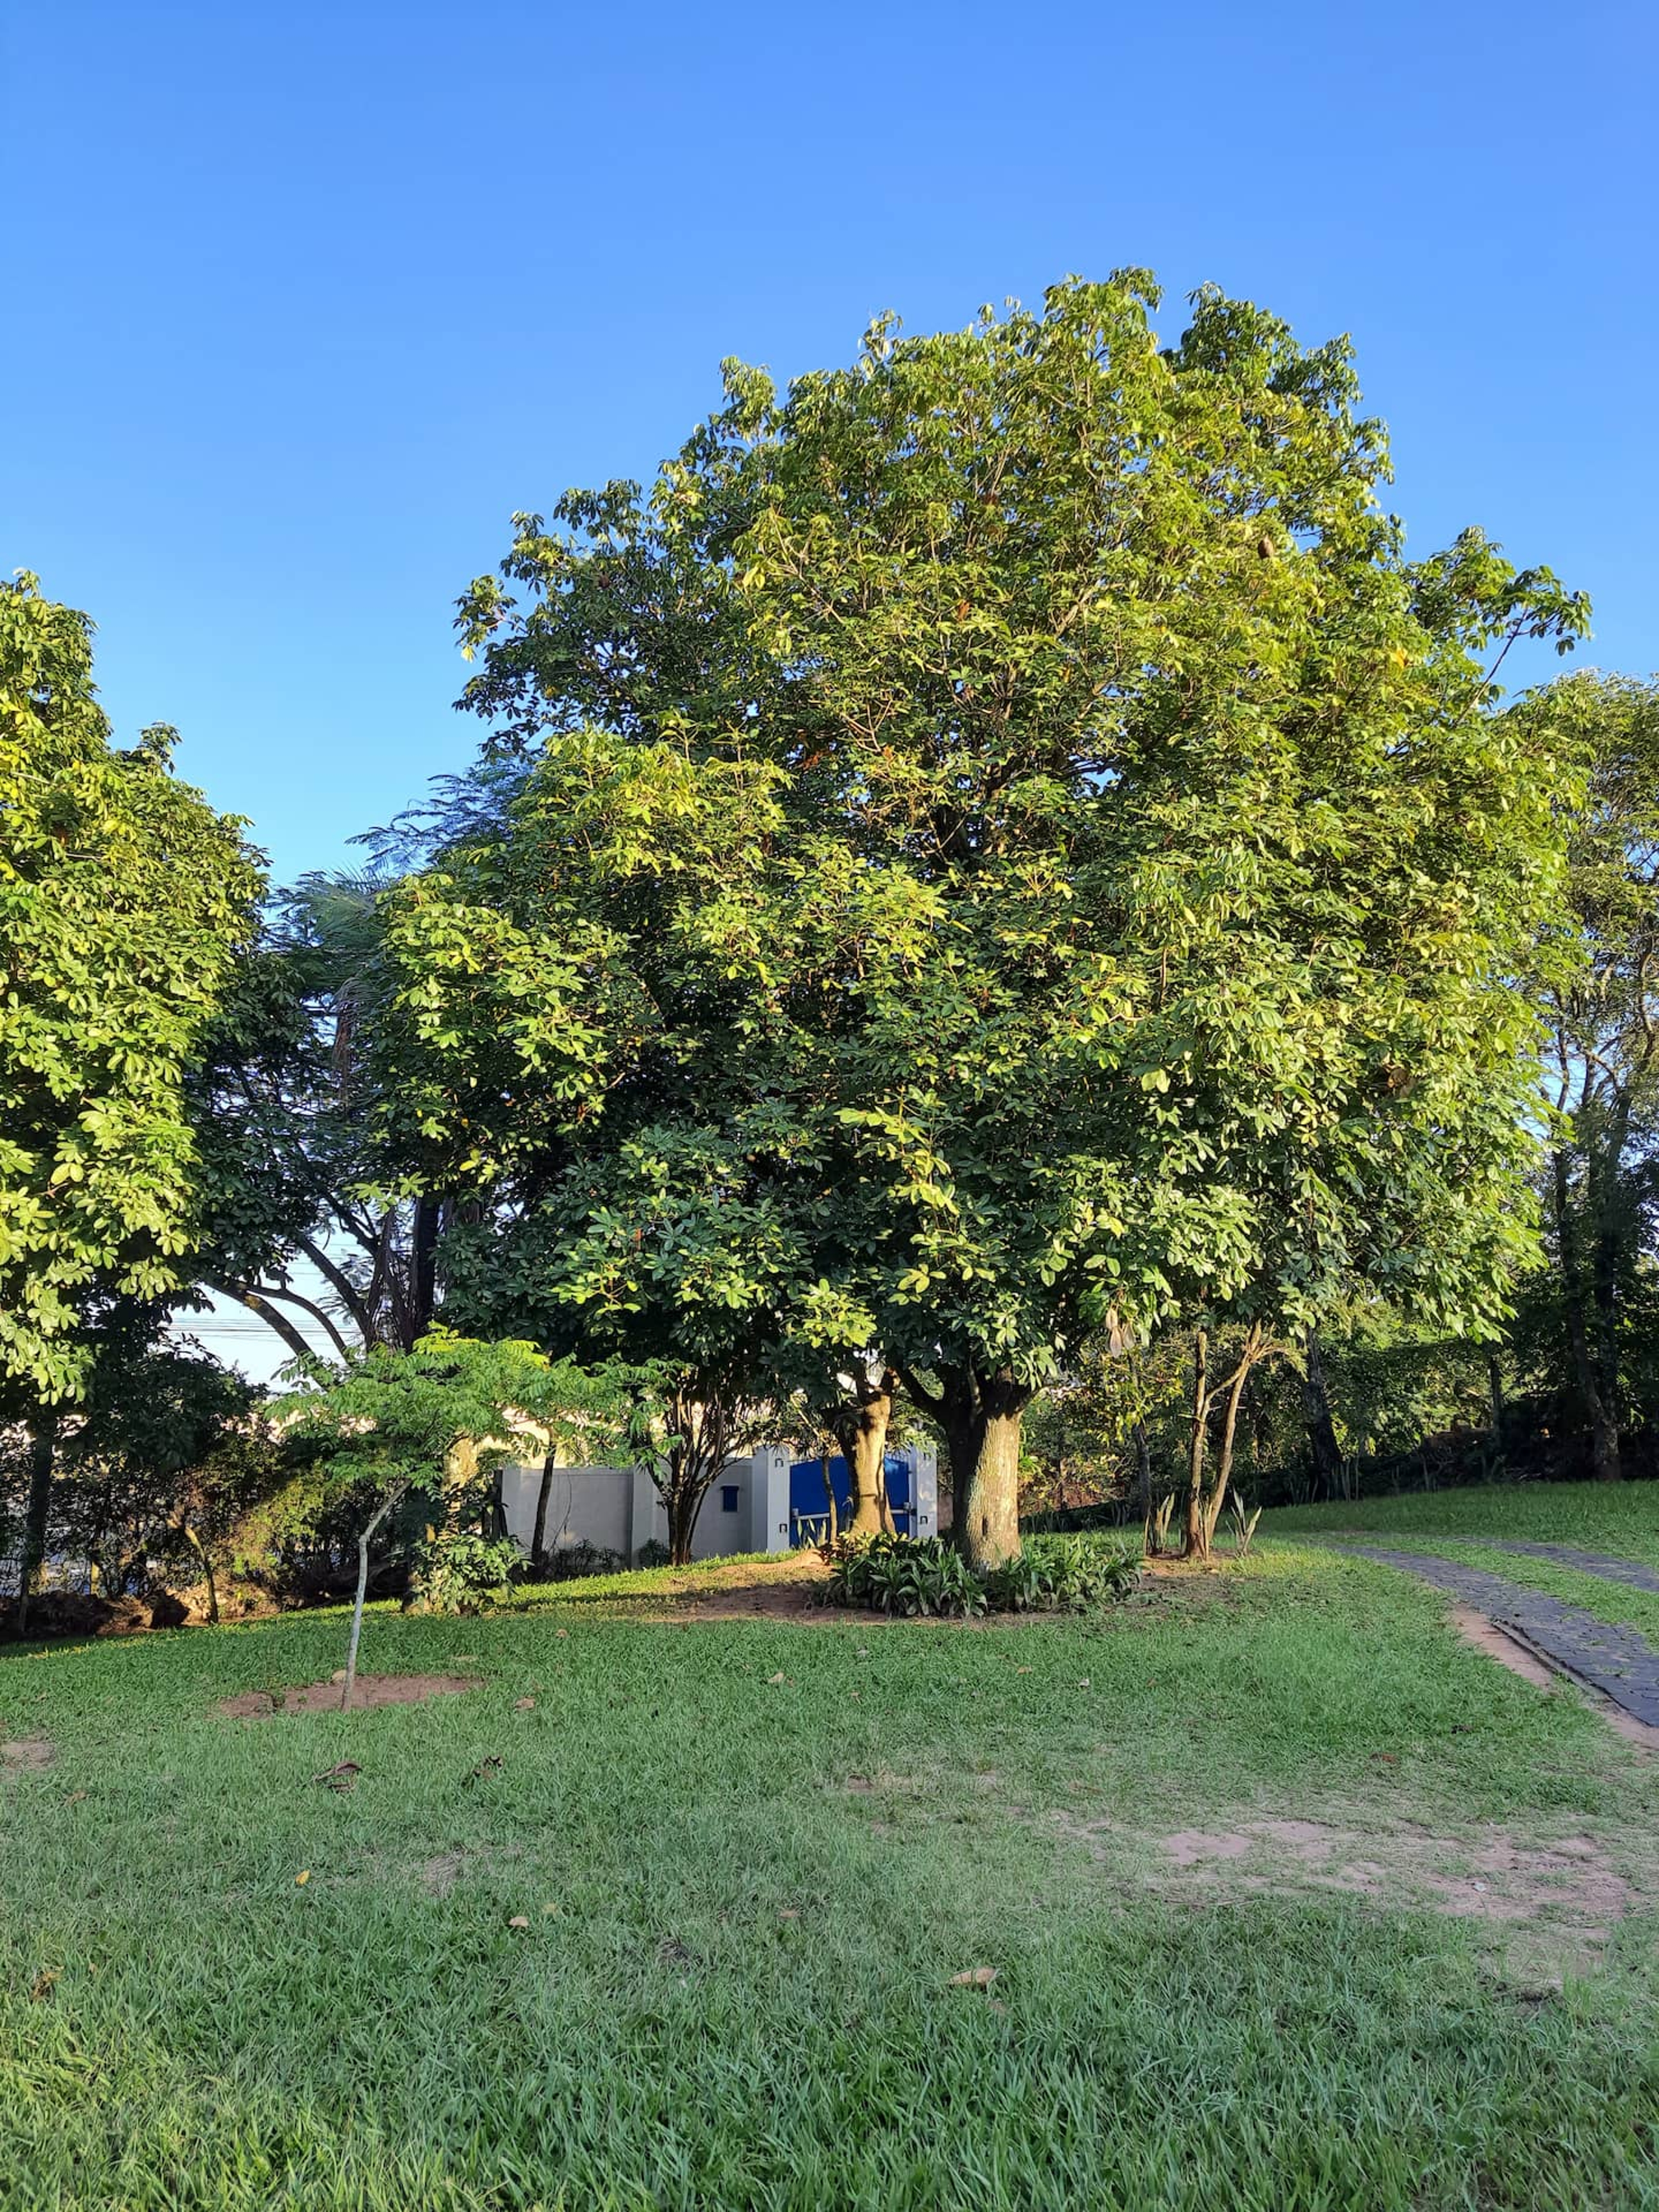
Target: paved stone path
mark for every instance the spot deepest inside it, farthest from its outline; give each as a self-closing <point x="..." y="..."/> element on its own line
<point x="1617" y="1661"/>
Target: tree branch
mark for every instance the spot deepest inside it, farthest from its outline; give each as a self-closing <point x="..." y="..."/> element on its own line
<point x="257" y="1303"/>
<point x="342" y="1283"/>
<point x="931" y="1403"/>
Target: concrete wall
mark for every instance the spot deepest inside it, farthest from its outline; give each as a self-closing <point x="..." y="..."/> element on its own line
<point x="616" y="1509"/>
<point x="586" y="1504"/>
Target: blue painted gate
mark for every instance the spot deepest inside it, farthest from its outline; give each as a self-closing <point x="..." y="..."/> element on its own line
<point x="809" y="1511"/>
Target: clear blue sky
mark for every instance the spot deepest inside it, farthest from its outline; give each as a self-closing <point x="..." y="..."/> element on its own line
<point x="301" y="301"/>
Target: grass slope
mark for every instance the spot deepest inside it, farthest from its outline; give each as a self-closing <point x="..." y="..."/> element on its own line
<point x="1622" y="1518"/>
<point x="663" y="2034"/>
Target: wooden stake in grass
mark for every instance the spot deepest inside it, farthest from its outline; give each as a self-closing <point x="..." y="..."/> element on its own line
<point x="363" y="1589"/>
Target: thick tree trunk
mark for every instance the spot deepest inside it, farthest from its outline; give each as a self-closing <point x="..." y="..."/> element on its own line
<point x="861" y="1432"/>
<point x="982" y="1419"/>
<point x="423" y="1258"/>
<point x="1604" y="1433"/>
<point x="1326" y="1451"/>
<point x="43" y="1459"/>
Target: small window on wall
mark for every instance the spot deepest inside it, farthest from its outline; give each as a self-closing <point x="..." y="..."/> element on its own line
<point x="728" y="1497"/>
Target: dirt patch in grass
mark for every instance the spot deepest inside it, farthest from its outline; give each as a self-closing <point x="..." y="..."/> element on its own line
<point x="1491" y="1874"/>
<point x="1485" y="1636"/>
<point x="27" y="1755"/>
<point x="788" y="1588"/>
<point x="367" y="1691"/>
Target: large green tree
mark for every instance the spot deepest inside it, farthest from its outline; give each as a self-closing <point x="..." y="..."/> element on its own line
<point x="1006" y="844"/>
<point x="124" y="900"/>
<point x="292" y="1225"/>
<point x="1603" y="1017"/>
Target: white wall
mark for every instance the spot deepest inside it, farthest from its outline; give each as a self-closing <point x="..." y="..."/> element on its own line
<point x="616" y="1509"/>
<point x="586" y="1504"/>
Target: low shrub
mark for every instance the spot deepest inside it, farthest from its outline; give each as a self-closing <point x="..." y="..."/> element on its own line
<point x="654" y="1553"/>
<point x="575" y="1562"/>
<point x="1062" y="1574"/>
<point x="914" y="1577"/>
<point x="904" y="1574"/>
<point x="464" y="1572"/>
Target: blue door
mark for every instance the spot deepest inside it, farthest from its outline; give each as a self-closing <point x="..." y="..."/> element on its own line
<point x="809" y="1509"/>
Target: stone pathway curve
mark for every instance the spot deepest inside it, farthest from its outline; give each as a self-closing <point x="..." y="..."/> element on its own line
<point x="1614" y="1660"/>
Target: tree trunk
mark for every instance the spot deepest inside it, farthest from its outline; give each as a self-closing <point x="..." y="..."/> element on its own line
<point x="683" y="1505"/>
<point x="361" y="1593"/>
<point x="1604" y="1433"/>
<point x="1602" y="1188"/>
<point x="201" y="1551"/>
<point x="1229" y="1432"/>
<point x="1321" y="1429"/>
<point x="861" y="1432"/>
<point x="544" y="1497"/>
<point x="423" y="1263"/>
<point x="43" y="1458"/>
<point x="832" y="1525"/>
<point x="983" y="1429"/>
<point x="1197" y="1439"/>
<point x="1144" y="1472"/>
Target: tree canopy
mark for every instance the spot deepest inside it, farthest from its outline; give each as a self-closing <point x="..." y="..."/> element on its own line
<point x="124" y="900"/>
<point x="999" y="843"/>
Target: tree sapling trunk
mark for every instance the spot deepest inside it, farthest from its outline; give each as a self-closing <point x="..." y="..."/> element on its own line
<point x="544" y="1497"/>
<point x="362" y="1592"/>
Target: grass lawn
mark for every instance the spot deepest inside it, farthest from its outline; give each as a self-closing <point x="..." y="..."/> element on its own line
<point x="1621" y="1518"/>
<point x="1208" y="1845"/>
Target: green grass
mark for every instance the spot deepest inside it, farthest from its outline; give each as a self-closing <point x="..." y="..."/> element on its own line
<point x="922" y="1798"/>
<point x="1622" y="1518"/>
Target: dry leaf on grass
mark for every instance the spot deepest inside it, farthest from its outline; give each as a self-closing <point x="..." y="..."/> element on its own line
<point x="519" y="1920"/>
<point x="43" y="1983"/>
<point x="303" y="1878"/>
<point x="524" y="1705"/>
<point x="974" y="1977"/>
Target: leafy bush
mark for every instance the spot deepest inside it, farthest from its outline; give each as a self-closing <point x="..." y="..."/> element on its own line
<point x="464" y="1572"/>
<point x="573" y="1563"/>
<point x="910" y="1576"/>
<point x="904" y="1575"/>
<point x="653" y="1553"/>
<point x="1061" y="1574"/>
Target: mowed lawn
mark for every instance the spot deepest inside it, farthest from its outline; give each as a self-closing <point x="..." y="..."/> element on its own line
<point x="1292" y="1901"/>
